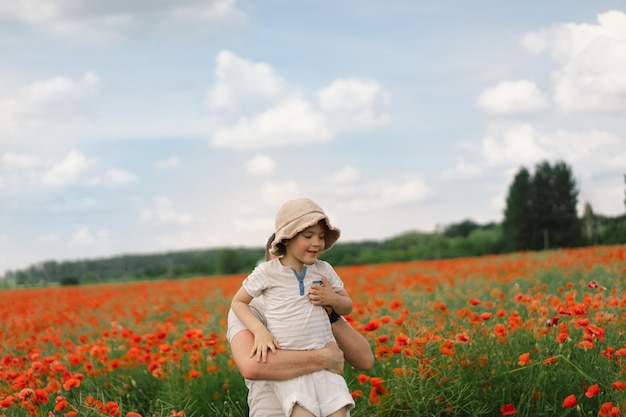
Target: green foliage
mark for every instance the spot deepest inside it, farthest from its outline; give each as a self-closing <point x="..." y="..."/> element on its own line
<point x="540" y="213"/>
<point x="515" y="231"/>
<point x="70" y="281"/>
<point x="541" y="209"/>
<point x="611" y="230"/>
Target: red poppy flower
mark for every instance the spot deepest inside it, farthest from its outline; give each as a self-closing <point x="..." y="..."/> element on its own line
<point x="609" y="410"/>
<point x="61" y="403"/>
<point x="569" y="401"/>
<point x="550" y="360"/>
<point x="474" y="302"/>
<point x="553" y="321"/>
<point x="619" y="385"/>
<point x="592" y="391"/>
<point x="524" y="359"/>
<point x="402" y="340"/>
<point x="371" y="326"/>
<point x="500" y="330"/>
<point x="508" y="410"/>
<point x="362" y="378"/>
<point x="462" y="338"/>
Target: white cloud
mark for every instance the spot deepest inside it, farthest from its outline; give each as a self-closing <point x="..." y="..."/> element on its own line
<point x="84" y="236"/>
<point x="591" y="59"/>
<point x="260" y="165"/>
<point x="520" y="144"/>
<point x="525" y="145"/>
<point x="345" y="175"/>
<point x="273" y="114"/>
<point x="386" y="194"/>
<point x="242" y="85"/>
<point x="74" y="169"/>
<point x="75" y="204"/>
<point x="203" y="11"/>
<point x="534" y="42"/>
<point x="354" y="103"/>
<point x="291" y="123"/>
<point x="512" y="97"/>
<point x="68" y="170"/>
<point x="586" y="145"/>
<point x="463" y="170"/>
<point x="118" y="176"/>
<point x="49" y="238"/>
<point x="97" y="21"/>
<point x="12" y="160"/>
<point x="52" y="99"/>
<point x="164" y="212"/>
<point x="169" y="163"/>
<point x="247" y="224"/>
<point x="271" y="192"/>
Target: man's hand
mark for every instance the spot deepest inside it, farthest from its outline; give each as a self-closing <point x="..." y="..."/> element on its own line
<point x="334" y="357"/>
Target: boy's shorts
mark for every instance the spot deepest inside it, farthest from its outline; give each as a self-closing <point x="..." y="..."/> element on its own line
<point x="321" y="393"/>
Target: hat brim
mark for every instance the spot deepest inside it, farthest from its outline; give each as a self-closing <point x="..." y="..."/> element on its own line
<point x="292" y="229"/>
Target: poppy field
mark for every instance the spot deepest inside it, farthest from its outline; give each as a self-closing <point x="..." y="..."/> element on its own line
<point x="524" y="334"/>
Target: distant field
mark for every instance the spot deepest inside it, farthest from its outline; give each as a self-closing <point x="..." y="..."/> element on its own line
<point x="526" y="334"/>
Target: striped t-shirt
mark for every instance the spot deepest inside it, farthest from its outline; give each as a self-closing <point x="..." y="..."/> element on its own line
<point x="292" y="319"/>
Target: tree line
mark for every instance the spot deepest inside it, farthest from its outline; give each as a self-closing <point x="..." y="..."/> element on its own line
<point x="540" y="213"/>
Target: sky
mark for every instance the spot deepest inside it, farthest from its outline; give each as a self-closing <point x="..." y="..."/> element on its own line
<point x="165" y="125"/>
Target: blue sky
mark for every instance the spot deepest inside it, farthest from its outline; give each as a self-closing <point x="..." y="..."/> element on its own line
<point x="137" y="127"/>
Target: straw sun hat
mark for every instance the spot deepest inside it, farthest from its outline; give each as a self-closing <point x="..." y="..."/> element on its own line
<point x="295" y="216"/>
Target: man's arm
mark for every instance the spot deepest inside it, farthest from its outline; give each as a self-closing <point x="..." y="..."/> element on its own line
<point x="284" y="364"/>
<point x="355" y="347"/>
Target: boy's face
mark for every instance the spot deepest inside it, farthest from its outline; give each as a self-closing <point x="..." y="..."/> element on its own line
<point x="307" y="245"/>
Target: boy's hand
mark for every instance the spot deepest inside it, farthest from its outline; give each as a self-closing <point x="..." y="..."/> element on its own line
<point x="263" y="340"/>
<point x="322" y="295"/>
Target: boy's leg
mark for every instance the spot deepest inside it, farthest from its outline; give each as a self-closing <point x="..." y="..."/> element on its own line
<point x="298" y="411"/>
<point x="339" y="413"/>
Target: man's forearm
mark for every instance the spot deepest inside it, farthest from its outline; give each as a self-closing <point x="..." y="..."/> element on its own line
<point x="283" y="364"/>
<point x="355" y="346"/>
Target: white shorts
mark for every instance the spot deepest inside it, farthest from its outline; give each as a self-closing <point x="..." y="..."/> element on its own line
<point x="262" y="400"/>
<point x="321" y="393"/>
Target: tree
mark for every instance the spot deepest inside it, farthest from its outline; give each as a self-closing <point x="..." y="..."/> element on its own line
<point x="590" y="229"/>
<point x="516" y="230"/>
<point x="229" y="261"/>
<point x="462" y="229"/>
<point x="542" y="200"/>
<point x="541" y="209"/>
<point x="566" y="228"/>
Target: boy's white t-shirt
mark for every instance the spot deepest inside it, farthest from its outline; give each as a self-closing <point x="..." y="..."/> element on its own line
<point x="290" y="316"/>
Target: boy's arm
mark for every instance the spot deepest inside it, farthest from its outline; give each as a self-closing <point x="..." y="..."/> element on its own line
<point x="324" y="295"/>
<point x="284" y="364"/>
<point x="263" y="339"/>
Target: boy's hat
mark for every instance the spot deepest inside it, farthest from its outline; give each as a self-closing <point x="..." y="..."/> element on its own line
<point x="295" y="216"/>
